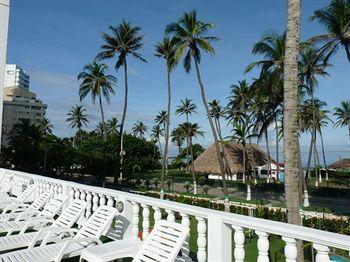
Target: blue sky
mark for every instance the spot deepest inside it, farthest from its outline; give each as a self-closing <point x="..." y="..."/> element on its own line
<point x="53" y="40"/>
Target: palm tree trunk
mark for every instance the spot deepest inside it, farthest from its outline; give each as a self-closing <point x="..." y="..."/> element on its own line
<point x="187" y="152"/>
<point x="192" y="169"/>
<point x="217" y="147"/>
<point x="104" y="135"/>
<point x="323" y="154"/>
<point x="269" y="155"/>
<point x="309" y="158"/>
<point x="290" y="101"/>
<point x="252" y="156"/>
<point x="226" y="163"/>
<point x="277" y="147"/>
<point x="123" y="122"/>
<point x="165" y="153"/>
<point x="244" y="162"/>
<point x="318" y="165"/>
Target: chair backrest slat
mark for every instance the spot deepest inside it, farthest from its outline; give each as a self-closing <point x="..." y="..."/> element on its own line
<point x="71" y="214"/>
<point x="26" y="193"/>
<point x="164" y="242"/>
<point x="98" y="223"/>
<point x="41" y="200"/>
<point x="53" y="206"/>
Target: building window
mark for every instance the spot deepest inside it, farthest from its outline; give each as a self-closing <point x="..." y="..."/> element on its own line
<point x="10" y="72"/>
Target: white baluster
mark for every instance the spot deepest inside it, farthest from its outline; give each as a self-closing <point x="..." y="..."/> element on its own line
<point x="201" y="239"/>
<point x="82" y="195"/>
<point x="238" y="237"/>
<point x="157" y="215"/>
<point x="89" y="205"/>
<point x="95" y="202"/>
<point x="110" y="201"/>
<point x="322" y="254"/>
<point x="76" y="194"/>
<point x="185" y="250"/>
<point x="171" y="216"/>
<point x="263" y="246"/>
<point x="145" y="222"/>
<point x="102" y="200"/>
<point x="290" y="250"/>
<point x="71" y="194"/>
<point x="135" y="220"/>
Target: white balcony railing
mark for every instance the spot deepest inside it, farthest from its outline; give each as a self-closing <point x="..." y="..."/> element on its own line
<point x="220" y="235"/>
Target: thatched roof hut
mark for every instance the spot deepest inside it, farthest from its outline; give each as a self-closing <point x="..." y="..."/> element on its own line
<point x="207" y="162"/>
<point x="341" y="164"/>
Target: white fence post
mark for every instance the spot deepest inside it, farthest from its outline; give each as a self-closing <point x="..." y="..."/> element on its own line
<point x="219" y="240"/>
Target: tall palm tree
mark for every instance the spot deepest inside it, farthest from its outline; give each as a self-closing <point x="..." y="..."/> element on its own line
<point x="290" y="123"/>
<point x="192" y="131"/>
<point x="335" y="19"/>
<point x="139" y="129"/>
<point x="112" y="126"/>
<point x="311" y="64"/>
<point x="96" y="82"/>
<point x="156" y="133"/>
<point x="272" y="48"/>
<point x="241" y="133"/>
<point x="191" y="36"/>
<point x="77" y="118"/>
<point x="186" y="108"/>
<point x="166" y="50"/>
<point x="124" y="40"/>
<point x="45" y="128"/>
<point x="343" y="115"/>
<point x="178" y="138"/>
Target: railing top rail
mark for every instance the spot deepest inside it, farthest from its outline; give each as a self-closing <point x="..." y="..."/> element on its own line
<point x="259" y="224"/>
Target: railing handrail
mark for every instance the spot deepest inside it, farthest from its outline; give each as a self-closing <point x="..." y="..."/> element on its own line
<point x="271" y="227"/>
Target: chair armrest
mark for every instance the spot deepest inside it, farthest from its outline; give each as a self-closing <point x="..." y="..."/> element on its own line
<point x="75" y="240"/>
<point x="35" y="221"/>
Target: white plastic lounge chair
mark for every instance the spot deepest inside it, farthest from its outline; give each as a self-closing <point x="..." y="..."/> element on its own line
<point x="42" y="219"/>
<point x="88" y="235"/>
<point x="22" y="198"/>
<point x="12" y="211"/>
<point x="162" y="245"/>
<point x="66" y="220"/>
<point x="7" y="186"/>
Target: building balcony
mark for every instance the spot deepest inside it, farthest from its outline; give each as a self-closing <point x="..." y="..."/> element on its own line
<point x="219" y="236"/>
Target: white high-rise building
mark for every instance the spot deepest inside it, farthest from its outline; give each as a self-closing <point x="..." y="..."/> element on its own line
<point x="15" y="76"/>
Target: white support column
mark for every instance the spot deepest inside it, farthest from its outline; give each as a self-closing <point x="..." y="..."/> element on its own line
<point x="290" y="249"/>
<point x="263" y="246"/>
<point x="219" y="240"/>
<point x="4" y="21"/>
<point x="322" y="254"/>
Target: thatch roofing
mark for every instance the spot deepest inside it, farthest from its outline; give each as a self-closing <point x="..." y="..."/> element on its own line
<point x="207" y="162"/>
<point x="341" y="164"/>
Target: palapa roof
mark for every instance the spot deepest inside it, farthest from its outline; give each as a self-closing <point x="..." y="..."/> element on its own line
<point x="207" y="162"/>
<point x="341" y="164"/>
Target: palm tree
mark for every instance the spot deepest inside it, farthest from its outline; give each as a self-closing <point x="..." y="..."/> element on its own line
<point x="290" y="123"/>
<point x="166" y="50"/>
<point x="343" y="115"/>
<point x="156" y="133"/>
<point x="191" y="36"/>
<point x="77" y="119"/>
<point x="96" y="82"/>
<point x="45" y="128"/>
<point x="123" y="41"/>
<point x="335" y="19"/>
<point x="241" y="133"/>
<point x="178" y="137"/>
<point x="311" y="64"/>
<point x="112" y="126"/>
<point x="139" y="129"/>
<point x="192" y="131"/>
<point x="186" y="108"/>
<point x="272" y="48"/>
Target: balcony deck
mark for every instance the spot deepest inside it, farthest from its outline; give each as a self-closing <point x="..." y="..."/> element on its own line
<point x="219" y="236"/>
